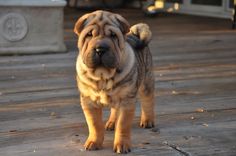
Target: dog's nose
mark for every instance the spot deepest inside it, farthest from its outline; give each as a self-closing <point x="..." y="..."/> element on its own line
<point x="101" y="49"/>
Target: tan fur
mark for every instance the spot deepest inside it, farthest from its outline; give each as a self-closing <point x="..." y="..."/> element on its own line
<point x="123" y="129"/>
<point x="118" y="85"/>
<point x="142" y="30"/>
<point x="110" y="124"/>
<point x="96" y="133"/>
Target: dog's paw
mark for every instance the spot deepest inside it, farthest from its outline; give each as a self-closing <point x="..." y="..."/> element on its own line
<point x="110" y="126"/>
<point x="92" y="145"/>
<point x="122" y="147"/>
<point x="147" y="123"/>
<point x="142" y="31"/>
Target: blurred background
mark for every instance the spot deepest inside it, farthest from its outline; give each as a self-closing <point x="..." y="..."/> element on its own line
<point x="215" y="8"/>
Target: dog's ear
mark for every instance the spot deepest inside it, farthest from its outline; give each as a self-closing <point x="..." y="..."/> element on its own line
<point x="123" y="24"/>
<point x="80" y="24"/>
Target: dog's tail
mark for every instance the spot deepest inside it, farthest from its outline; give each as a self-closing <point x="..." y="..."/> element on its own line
<point x="135" y="42"/>
<point x="139" y="36"/>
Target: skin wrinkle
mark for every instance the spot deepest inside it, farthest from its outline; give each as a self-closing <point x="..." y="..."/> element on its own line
<point x="119" y="49"/>
<point x="86" y="80"/>
<point x="117" y="31"/>
<point x="127" y="79"/>
<point x="85" y="32"/>
<point x="127" y="64"/>
<point x="114" y="21"/>
<point x="86" y="55"/>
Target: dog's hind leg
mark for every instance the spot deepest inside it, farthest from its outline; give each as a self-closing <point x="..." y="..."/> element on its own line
<point x="146" y="95"/>
<point x="110" y="124"/>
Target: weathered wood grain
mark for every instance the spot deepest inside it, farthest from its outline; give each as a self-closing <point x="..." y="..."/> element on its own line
<point x="213" y="128"/>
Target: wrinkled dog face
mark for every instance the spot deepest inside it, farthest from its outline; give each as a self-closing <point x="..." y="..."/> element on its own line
<point x="101" y="39"/>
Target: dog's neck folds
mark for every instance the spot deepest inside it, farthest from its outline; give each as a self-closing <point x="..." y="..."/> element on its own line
<point x="126" y="64"/>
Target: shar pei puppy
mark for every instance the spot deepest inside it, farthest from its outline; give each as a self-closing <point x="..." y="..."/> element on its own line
<point x="114" y="66"/>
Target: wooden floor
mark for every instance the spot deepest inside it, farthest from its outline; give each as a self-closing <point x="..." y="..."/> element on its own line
<point x="195" y="71"/>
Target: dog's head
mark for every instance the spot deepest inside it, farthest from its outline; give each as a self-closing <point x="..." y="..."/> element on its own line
<point x="101" y="39"/>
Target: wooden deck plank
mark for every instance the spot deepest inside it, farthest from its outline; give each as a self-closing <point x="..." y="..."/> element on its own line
<point x="175" y="77"/>
<point x="188" y="98"/>
<point x="214" y="128"/>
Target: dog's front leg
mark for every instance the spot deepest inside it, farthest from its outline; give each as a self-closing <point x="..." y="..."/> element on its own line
<point x="122" y="140"/>
<point x="96" y="128"/>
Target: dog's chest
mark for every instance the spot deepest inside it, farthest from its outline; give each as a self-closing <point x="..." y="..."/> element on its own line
<point x="105" y="94"/>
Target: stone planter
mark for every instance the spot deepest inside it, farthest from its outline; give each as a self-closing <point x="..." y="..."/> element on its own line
<point x="31" y="26"/>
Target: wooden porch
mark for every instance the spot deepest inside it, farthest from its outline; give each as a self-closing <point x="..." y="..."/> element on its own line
<point x="195" y="70"/>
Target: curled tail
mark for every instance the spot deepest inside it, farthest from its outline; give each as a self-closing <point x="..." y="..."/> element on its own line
<point x="139" y="36"/>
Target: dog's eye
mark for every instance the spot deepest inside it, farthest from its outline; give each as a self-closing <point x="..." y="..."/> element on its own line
<point x="113" y="35"/>
<point x="89" y="34"/>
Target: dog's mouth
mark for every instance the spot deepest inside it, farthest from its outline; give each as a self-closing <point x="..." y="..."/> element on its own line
<point x="101" y="60"/>
<point x="101" y="56"/>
